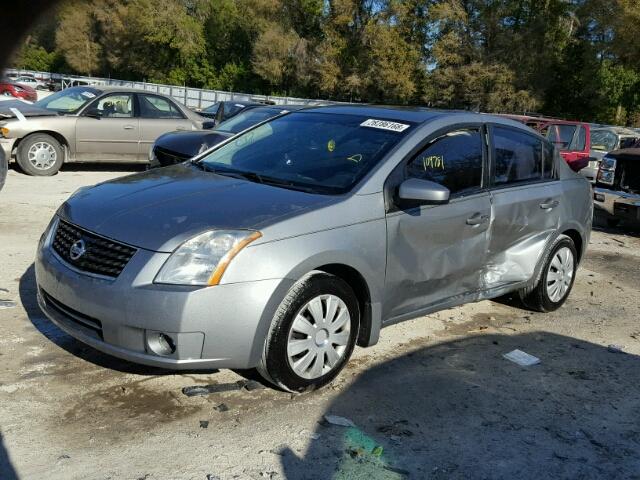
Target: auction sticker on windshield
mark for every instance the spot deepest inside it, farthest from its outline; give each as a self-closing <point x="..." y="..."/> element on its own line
<point x="385" y="125"/>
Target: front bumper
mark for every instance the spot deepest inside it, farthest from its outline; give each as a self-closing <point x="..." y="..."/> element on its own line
<point x="620" y="205"/>
<point x="213" y="327"/>
<point x="6" y="144"/>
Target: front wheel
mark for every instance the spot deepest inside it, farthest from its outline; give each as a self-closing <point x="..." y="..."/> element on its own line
<point x="313" y="334"/>
<point x="556" y="281"/>
<point x="40" y="155"/>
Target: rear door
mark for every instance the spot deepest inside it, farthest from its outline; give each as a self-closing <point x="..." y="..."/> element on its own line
<point x="158" y="115"/>
<point x="436" y="252"/>
<point x="107" y="130"/>
<point x="526" y="201"/>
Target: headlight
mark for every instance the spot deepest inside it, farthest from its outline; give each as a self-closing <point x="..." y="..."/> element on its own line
<point x="203" y="259"/>
<point x="607" y="171"/>
<point x="5" y="132"/>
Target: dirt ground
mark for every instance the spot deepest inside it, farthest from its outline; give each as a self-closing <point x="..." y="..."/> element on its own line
<point x="435" y="399"/>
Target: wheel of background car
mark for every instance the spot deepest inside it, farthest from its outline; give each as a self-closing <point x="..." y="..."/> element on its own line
<point x="40" y="155"/>
<point x="4" y="166"/>
<point x="313" y="334"/>
<point x="557" y="277"/>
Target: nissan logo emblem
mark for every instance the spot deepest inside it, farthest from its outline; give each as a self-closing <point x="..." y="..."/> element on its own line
<point x="77" y="250"/>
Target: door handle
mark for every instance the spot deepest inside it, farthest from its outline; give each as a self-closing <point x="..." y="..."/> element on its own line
<point x="549" y="204"/>
<point x="477" y="219"/>
<point x="128" y="127"/>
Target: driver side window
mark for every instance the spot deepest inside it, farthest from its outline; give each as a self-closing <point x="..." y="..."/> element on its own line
<point x="453" y="160"/>
<point x="114" y="106"/>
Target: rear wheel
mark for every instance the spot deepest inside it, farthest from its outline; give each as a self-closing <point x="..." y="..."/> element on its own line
<point x="313" y="334"/>
<point x="557" y="278"/>
<point x="40" y="155"/>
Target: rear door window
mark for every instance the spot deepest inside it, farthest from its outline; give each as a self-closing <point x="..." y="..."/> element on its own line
<point x="152" y="106"/>
<point x="517" y="157"/>
<point x="453" y="160"/>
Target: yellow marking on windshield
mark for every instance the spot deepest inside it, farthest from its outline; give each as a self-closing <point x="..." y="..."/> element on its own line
<point x="433" y="161"/>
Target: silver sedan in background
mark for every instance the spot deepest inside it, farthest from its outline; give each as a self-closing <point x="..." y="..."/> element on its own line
<point x="89" y="124"/>
<point x="286" y="245"/>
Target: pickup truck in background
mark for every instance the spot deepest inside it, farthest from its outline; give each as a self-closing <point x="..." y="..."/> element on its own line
<point x="617" y="189"/>
<point x="604" y="140"/>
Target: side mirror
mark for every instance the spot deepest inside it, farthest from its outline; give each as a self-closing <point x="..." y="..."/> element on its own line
<point x="93" y="113"/>
<point x="208" y="125"/>
<point x="423" y="192"/>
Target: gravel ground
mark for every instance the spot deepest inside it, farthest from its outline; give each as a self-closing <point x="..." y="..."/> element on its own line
<point x="434" y="399"/>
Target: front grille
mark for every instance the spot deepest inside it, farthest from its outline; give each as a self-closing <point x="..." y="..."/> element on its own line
<point x="167" y="157"/>
<point x="101" y="255"/>
<point x="80" y="319"/>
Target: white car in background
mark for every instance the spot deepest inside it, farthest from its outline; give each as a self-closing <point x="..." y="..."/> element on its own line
<point x="31" y="82"/>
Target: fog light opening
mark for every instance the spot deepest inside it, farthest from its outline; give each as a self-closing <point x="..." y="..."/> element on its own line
<point x="161" y="344"/>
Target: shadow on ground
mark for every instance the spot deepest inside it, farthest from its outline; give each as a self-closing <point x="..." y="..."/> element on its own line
<point x="6" y="468"/>
<point x="460" y="410"/>
<point x="600" y="224"/>
<point x="28" y="298"/>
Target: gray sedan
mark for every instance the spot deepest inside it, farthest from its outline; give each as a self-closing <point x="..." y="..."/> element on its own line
<point x="89" y="124"/>
<point x="285" y="246"/>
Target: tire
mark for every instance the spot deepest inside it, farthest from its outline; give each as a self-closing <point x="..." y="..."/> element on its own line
<point x="40" y="155"/>
<point x="4" y="166"/>
<point x="562" y="257"/>
<point x="321" y="292"/>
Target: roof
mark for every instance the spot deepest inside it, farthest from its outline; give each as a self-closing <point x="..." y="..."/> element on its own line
<point x="406" y="114"/>
<point x="622" y="131"/>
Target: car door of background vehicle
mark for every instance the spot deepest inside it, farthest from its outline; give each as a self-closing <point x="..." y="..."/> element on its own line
<point x="526" y="198"/>
<point x="436" y="252"/>
<point x="158" y="115"/>
<point x="108" y="130"/>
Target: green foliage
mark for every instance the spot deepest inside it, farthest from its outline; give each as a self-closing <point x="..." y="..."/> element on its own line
<point x="568" y="58"/>
<point x="34" y="57"/>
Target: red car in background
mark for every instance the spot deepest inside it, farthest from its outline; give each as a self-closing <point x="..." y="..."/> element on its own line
<point x="23" y="92"/>
<point x="573" y="139"/>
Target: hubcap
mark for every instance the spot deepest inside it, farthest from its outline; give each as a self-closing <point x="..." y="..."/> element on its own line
<point x="42" y="155"/>
<point x="560" y="274"/>
<point x="319" y="336"/>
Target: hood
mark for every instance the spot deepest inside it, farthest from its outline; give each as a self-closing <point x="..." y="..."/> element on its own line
<point x="626" y="154"/>
<point x="27" y="109"/>
<point x="190" y="143"/>
<point x="160" y="209"/>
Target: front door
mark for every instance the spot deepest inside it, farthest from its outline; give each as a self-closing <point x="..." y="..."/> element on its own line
<point x="107" y="130"/>
<point x="158" y="115"/>
<point x="435" y="253"/>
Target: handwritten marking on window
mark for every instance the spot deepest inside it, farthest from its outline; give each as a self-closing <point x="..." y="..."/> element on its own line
<point x="433" y="161"/>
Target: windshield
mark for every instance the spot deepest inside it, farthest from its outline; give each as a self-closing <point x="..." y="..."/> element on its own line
<point x="603" y="140"/>
<point x="247" y="119"/>
<point x="212" y="108"/>
<point x="69" y="100"/>
<point x="316" y="152"/>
